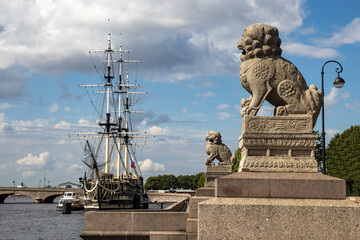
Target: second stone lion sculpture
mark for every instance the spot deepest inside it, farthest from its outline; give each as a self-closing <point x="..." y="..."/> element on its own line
<point x="217" y="150"/>
<point x="267" y="75"/>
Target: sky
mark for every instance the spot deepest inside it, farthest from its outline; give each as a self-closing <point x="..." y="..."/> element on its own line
<point x="189" y="65"/>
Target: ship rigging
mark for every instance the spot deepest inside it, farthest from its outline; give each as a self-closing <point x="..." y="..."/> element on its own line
<point x="114" y="139"/>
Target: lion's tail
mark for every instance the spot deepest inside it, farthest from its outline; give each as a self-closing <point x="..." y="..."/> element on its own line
<point x="315" y="99"/>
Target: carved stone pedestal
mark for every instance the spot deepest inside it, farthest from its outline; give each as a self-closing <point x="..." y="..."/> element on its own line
<point x="213" y="172"/>
<point x="277" y="144"/>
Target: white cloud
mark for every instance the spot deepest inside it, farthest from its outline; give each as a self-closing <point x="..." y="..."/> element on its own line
<point x="62" y="125"/>
<point x="331" y="133"/>
<point x="3" y="117"/>
<point x="4" y="125"/>
<point x="26" y="125"/>
<point x="186" y="37"/>
<point x="238" y="108"/>
<point x="307" y="31"/>
<point x="155" y="130"/>
<point x="84" y="123"/>
<point x="207" y="94"/>
<point x="36" y="161"/>
<point x="4" y="166"/>
<point x="148" y="165"/>
<point x="5" y="106"/>
<point x="347" y="35"/>
<point x="300" y="49"/>
<point x="74" y="167"/>
<point x="67" y="109"/>
<point x="27" y="174"/>
<point x="334" y="96"/>
<point x="222" y="106"/>
<point x="224" y="115"/>
<point x="355" y="105"/>
<point x="54" y="108"/>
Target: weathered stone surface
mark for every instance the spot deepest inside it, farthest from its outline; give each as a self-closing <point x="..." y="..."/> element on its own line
<point x="192" y="209"/>
<point x="277" y="144"/>
<point x="192" y="225"/>
<point x="206" y="191"/>
<point x="191" y="236"/>
<point x="213" y="172"/>
<point x="280" y="185"/>
<point x="124" y="221"/>
<point x="270" y="218"/>
<point x="167" y="235"/>
<point x="192" y="221"/>
<point x="277" y="124"/>
<point x="118" y="235"/>
<point x="217" y="150"/>
<point x="268" y="76"/>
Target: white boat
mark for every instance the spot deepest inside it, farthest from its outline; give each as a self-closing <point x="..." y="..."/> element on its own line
<point x="74" y="198"/>
<point x="114" y="179"/>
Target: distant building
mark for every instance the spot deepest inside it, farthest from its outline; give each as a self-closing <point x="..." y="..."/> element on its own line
<point x="69" y="185"/>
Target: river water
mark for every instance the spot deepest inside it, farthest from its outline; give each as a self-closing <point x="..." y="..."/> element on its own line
<point x="21" y="219"/>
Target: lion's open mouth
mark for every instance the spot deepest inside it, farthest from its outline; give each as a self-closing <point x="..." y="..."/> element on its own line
<point x="243" y="51"/>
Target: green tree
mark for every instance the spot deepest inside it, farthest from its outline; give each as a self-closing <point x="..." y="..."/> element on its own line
<point x="168" y="181"/>
<point x="238" y="159"/>
<point x="201" y="182"/>
<point x="184" y="181"/>
<point x="164" y="182"/>
<point x="152" y="183"/>
<point x="343" y="159"/>
<point x="318" y="149"/>
<point x="196" y="180"/>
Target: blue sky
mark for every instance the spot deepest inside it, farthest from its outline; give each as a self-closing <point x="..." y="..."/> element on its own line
<point x="189" y="64"/>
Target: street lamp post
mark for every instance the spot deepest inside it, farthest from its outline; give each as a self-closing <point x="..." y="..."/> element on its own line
<point x="338" y="83"/>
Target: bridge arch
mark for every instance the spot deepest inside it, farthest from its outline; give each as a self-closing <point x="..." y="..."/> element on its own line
<point x="3" y="196"/>
<point x="39" y="195"/>
<point x="50" y="199"/>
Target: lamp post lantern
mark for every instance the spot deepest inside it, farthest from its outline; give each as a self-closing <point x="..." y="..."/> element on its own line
<point x="338" y="83"/>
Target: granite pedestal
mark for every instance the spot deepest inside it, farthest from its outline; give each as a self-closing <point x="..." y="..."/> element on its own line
<point x="251" y="205"/>
<point x="274" y="218"/>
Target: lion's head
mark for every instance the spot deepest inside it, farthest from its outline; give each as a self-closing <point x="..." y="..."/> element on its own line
<point x="213" y="137"/>
<point x="258" y="41"/>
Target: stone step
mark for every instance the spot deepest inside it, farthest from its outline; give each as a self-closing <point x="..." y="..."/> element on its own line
<point x="167" y="235"/>
<point x="191" y="236"/>
<point x="192" y="225"/>
<point x="280" y="185"/>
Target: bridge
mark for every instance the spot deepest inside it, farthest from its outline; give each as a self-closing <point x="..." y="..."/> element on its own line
<point x="47" y="195"/>
<point x="39" y="195"/>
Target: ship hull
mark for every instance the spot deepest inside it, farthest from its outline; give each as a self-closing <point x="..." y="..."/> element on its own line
<point x="110" y="193"/>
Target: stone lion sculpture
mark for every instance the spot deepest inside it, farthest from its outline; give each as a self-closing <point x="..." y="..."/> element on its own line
<point x="217" y="150"/>
<point x="267" y="75"/>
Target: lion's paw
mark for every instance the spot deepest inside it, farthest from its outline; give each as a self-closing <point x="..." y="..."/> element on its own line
<point x="248" y="111"/>
<point x="281" y="111"/>
<point x="245" y="102"/>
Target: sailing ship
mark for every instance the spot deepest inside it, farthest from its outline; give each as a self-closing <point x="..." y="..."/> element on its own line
<point x="114" y="178"/>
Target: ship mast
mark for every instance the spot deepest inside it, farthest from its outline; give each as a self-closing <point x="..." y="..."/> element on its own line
<point x="116" y="124"/>
<point x="120" y="120"/>
<point x="108" y="85"/>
